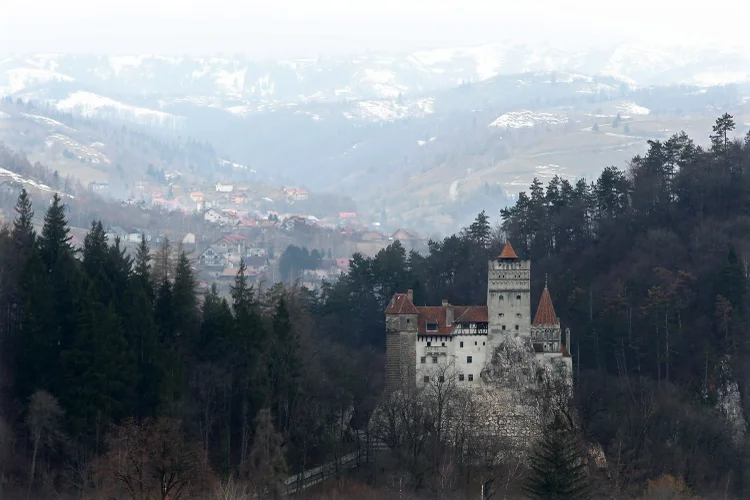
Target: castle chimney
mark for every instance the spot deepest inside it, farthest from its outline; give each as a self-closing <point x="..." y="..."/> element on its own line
<point x="567" y="341"/>
<point x="448" y="313"/>
<point x="410" y="294"/>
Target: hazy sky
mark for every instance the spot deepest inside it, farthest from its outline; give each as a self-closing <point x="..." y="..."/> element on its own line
<point x="274" y="28"/>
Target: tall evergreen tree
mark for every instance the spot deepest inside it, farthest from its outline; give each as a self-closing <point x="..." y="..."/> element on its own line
<point x="557" y="466"/>
<point x="284" y="367"/>
<point x="23" y="226"/>
<point x="98" y="370"/>
<point x="184" y="303"/>
<point x="54" y="241"/>
<point x="720" y="137"/>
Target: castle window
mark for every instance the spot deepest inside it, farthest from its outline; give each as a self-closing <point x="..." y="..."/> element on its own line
<point x="443" y="344"/>
<point x="468" y="360"/>
<point x="434" y="359"/>
<point x="503" y="327"/>
<point x="431" y="327"/>
<point x="516" y="327"/>
<point x="423" y="360"/>
<point x="429" y="344"/>
<point x="483" y="343"/>
<point x="502" y="298"/>
<point x="462" y="344"/>
<point x="426" y="379"/>
<point x="460" y="377"/>
<point x="441" y="379"/>
<point x="518" y="297"/>
<point x="407" y="321"/>
<point x="518" y="315"/>
<point x="475" y="343"/>
<point x="501" y="314"/>
<point x="471" y="377"/>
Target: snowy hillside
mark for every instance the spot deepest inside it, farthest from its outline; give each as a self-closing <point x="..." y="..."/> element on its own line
<point x="243" y="86"/>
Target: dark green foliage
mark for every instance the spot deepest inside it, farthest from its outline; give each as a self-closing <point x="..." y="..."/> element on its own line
<point x="557" y="466"/>
<point x="294" y="260"/>
<point x="23" y="228"/>
<point x="54" y="241"/>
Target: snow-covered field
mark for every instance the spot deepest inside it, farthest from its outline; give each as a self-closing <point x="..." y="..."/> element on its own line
<point x="88" y="153"/>
<point x="46" y="121"/>
<point x="93" y="105"/>
<point x="524" y="118"/>
<point x="29" y="182"/>
<point x="631" y="108"/>
<point x="392" y="110"/>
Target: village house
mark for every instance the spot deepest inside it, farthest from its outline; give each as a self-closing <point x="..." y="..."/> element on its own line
<point x="115" y="232"/>
<point x="213" y="257"/>
<point x="196" y="196"/>
<point x="189" y="239"/>
<point x="134" y="235"/>
<point x="222" y="218"/>
<point x="224" y="188"/>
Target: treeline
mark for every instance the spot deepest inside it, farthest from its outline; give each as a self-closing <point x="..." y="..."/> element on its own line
<point x="99" y="348"/>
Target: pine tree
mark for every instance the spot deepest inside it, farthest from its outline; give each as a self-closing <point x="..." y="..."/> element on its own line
<point x="94" y="250"/>
<point x="284" y="367"/>
<point x="98" y="369"/>
<point x="54" y="241"/>
<point x="720" y="137"/>
<point x="184" y="303"/>
<point x="558" y="469"/>
<point x="143" y="259"/>
<point x="23" y="227"/>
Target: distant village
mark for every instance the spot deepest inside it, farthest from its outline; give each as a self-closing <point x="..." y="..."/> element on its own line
<point x="241" y="224"/>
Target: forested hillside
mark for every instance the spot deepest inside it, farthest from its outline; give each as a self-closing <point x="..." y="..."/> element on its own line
<point x="647" y="267"/>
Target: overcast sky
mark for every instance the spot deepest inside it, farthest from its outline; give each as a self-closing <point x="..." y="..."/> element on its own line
<point x="284" y="28"/>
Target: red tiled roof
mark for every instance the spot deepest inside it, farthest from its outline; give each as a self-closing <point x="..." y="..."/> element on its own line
<point x="401" y="304"/>
<point x="545" y="313"/>
<point x="461" y="314"/>
<point x="508" y="252"/>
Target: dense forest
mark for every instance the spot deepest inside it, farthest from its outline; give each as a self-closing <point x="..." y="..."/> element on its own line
<point x="112" y="366"/>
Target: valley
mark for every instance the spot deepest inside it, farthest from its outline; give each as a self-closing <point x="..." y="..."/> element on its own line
<point x="423" y="139"/>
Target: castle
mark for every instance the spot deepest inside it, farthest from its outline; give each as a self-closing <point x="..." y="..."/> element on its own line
<point x="458" y="341"/>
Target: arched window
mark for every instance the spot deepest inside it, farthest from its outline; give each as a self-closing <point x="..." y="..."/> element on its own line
<point x="518" y="297"/>
<point x="502" y="298"/>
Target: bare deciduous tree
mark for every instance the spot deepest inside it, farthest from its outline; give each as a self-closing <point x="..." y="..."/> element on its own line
<point x="43" y="422"/>
<point x="154" y="460"/>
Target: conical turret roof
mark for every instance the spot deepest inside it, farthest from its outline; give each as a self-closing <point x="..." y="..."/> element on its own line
<point x="508" y="252"/>
<point x="545" y="313"/>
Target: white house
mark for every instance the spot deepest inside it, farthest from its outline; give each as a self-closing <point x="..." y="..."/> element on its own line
<point x="213" y="256"/>
<point x="189" y="239"/>
<point x="213" y="216"/>
<point x="224" y="188"/>
<point x="116" y="232"/>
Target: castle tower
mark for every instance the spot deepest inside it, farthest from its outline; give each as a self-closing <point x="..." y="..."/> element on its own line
<point x="545" y="330"/>
<point x="401" y="322"/>
<point x="508" y="296"/>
